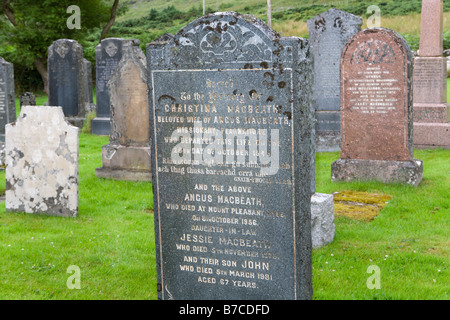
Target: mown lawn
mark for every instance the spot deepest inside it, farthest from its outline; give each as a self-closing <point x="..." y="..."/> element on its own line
<point x="112" y="239"/>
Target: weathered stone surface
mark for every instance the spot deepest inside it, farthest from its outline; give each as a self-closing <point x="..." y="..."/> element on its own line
<point x="127" y="156"/>
<point x="431" y="28"/>
<point x="376" y="103"/>
<point x="231" y="225"/>
<point x="406" y="172"/>
<point x="42" y="163"/>
<point x="328" y="34"/>
<point x="66" y="74"/>
<point x="108" y="55"/>
<point x="322" y="219"/>
<point x="7" y="96"/>
<point x="430" y="80"/>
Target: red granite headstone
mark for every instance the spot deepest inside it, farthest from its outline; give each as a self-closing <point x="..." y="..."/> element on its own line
<point x="376" y="110"/>
<point x="376" y="97"/>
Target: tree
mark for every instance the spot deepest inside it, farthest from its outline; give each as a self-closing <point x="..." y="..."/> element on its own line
<point x="31" y="26"/>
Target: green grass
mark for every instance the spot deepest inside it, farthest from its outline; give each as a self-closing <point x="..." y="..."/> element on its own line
<point x="112" y="239"/>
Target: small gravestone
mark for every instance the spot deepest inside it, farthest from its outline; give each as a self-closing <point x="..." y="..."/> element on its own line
<point x="27" y="99"/>
<point x="7" y="96"/>
<point x="231" y="124"/>
<point x="127" y="156"/>
<point x="431" y="110"/>
<point x="42" y="163"/>
<point x="376" y="107"/>
<point x="66" y="74"/>
<point x="328" y="34"/>
<point x="108" y="55"/>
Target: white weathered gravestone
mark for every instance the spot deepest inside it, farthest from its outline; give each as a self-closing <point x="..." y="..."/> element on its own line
<point x="42" y="163"/>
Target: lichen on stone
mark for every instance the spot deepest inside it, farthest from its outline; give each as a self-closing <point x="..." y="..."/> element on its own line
<point x="359" y="205"/>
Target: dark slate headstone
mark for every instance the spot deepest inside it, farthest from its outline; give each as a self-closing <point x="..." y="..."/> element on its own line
<point x="66" y="77"/>
<point x="108" y="55"/>
<point x="87" y="65"/>
<point x="328" y="34"/>
<point x="377" y="115"/>
<point x="27" y="99"/>
<point x="231" y="127"/>
<point x="7" y="96"/>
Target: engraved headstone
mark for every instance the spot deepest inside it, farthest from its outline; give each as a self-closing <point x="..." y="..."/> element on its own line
<point x="42" y="163"/>
<point x="127" y="156"/>
<point x="231" y="124"/>
<point x="7" y="96"/>
<point x="376" y="106"/>
<point x="108" y="55"/>
<point x="328" y="34"/>
<point x="431" y="110"/>
<point x="66" y="79"/>
<point x="27" y="99"/>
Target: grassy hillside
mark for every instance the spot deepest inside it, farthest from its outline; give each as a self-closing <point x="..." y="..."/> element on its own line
<point x="148" y="19"/>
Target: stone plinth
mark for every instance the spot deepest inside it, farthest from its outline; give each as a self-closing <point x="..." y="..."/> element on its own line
<point x="322" y="219"/>
<point x="431" y="110"/>
<point x="406" y="172"/>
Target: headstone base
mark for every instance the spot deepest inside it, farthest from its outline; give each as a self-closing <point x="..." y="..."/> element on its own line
<point x="322" y="219"/>
<point x="432" y="112"/>
<point x="431" y="135"/>
<point x="328" y="141"/>
<point x="101" y="126"/>
<point x="406" y="172"/>
<point x="125" y="163"/>
<point x="119" y="174"/>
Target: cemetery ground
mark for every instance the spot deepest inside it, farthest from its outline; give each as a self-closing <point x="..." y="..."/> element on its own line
<point x="112" y="239"/>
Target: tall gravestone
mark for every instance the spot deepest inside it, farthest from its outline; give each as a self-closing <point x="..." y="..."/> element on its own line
<point x="7" y="96"/>
<point x="87" y="67"/>
<point x="431" y="110"/>
<point x="42" y="163"/>
<point x="376" y="106"/>
<point x="127" y="156"/>
<point x="231" y="127"/>
<point x="108" y="55"/>
<point x="328" y="34"/>
<point x="66" y="74"/>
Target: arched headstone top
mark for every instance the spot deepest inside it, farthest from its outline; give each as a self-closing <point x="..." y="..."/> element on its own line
<point x="225" y="37"/>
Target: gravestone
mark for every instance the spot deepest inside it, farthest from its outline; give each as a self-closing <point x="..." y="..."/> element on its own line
<point x="127" y="156"/>
<point x="108" y="55"/>
<point x="328" y="34"/>
<point x="231" y="124"/>
<point x="66" y="79"/>
<point x="7" y="96"/>
<point x="42" y="163"/>
<point x="376" y="110"/>
<point x="27" y="99"/>
<point x="431" y="110"/>
<point x="88" y="86"/>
